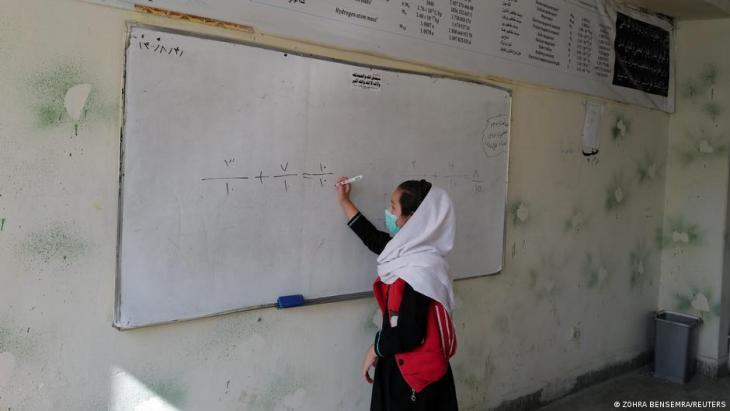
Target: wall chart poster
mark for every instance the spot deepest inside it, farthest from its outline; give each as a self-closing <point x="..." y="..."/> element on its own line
<point x="642" y="56"/>
<point x="563" y="44"/>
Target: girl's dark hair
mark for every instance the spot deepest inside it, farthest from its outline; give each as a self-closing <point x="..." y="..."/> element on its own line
<point x="412" y="193"/>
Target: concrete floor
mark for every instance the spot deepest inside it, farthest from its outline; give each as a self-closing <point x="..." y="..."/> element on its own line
<point x="641" y="387"/>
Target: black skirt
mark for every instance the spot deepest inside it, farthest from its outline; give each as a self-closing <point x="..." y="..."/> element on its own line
<point x="392" y="393"/>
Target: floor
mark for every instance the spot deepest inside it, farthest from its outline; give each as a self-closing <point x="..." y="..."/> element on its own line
<point x="638" y="388"/>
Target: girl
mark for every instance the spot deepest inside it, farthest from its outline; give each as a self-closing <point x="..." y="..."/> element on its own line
<point x="411" y="351"/>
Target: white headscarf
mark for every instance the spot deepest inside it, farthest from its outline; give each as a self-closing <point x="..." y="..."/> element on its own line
<point x="416" y="253"/>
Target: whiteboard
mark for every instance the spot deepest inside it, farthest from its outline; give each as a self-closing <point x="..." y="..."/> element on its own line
<point x="230" y="155"/>
<point x="566" y="44"/>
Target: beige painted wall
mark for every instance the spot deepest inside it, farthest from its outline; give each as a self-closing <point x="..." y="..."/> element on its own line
<point x="576" y="295"/>
<point x="697" y="186"/>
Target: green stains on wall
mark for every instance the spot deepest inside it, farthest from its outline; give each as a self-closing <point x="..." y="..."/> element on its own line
<point x="285" y="391"/>
<point x="237" y="328"/>
<point x="18" y="340"/>
<point x="520" y="213"/>
<point x="5" y="40"/>
<point x="57" y="242"/>
<point x="639" y="266"/>
<point x="576" y="222"/>
<point x="617" y="192"/>
<point x="541" y="285"/>
<point x="574" y="333"/>
<point x="595" y="271"/>
<point x="696" y="301"/>
<point x="700" y="85"/>
<point x="501" y="324"/>
<point x="475" y="376"/>
<point x="712" y="109"/>
<point x="170" y="390"/>
<point x="690" y="89"/>
<point x="677" y="232"/>
<point x="49" y="88"/>
<point x="621" y="128"/>
<point x="64" y="94"/>
<point x="543" y="277"/>
<point x="150" y="389"/>
<point x="48" y="115"/>
<point x="701" y="145"/>
<point x="648" y="169"/>
<point x="703" y="138"/>
<point x="709" y="75"/>
<point x="476" y="386"/>
<point x="2" y="224"/>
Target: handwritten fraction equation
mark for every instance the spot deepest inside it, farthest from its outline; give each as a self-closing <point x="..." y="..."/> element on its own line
<point x="451" y="177"/>
<point x="282" y="177"/>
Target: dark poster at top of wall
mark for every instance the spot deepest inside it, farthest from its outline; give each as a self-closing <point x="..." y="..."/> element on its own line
<point x="642" y="56"/>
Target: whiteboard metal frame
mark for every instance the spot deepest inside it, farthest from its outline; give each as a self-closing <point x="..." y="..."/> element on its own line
<point x="131" y="24"/>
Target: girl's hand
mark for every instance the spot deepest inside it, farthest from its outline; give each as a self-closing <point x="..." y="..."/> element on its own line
<point x="343" y="196"/>
<point x="370" y="360"/>
<point x="343" y="190"/>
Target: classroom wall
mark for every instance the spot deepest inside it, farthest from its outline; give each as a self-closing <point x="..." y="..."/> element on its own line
<point x="575" y="298"/>
<point x="695" y="254"/>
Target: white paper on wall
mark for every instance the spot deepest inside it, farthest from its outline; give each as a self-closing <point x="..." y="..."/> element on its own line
<point x="592" y="127"/>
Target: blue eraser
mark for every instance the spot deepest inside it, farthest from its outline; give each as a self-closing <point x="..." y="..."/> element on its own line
<point x="287" y="301"/>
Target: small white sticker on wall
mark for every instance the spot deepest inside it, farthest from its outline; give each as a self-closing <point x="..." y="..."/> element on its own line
<point x="366" y="80"/>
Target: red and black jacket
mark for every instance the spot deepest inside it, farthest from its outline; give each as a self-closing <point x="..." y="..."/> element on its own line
<point x="428" y="361"/>
<point x="416" y="330"/>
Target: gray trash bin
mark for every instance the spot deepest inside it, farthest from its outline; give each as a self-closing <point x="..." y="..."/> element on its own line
<point x="675" y="346"/>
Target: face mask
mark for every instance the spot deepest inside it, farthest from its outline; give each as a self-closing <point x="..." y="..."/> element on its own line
<point x="390" y="222"/>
